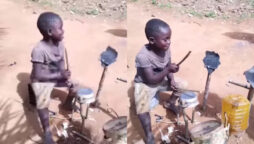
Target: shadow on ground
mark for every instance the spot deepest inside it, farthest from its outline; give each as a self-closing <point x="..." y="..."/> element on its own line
<point x="11" y="135"/>
<point x="29" y="111"/>
<point x="241" y="36"/>
<point x="213" y="106"/>
<point x="17" y="124"/>
<point x="2" y="33"/>
<point x="118" y="32"/>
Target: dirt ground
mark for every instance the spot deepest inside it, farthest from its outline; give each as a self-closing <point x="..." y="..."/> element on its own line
<point x="231" y="39"/>
<point x="84" y="39"/>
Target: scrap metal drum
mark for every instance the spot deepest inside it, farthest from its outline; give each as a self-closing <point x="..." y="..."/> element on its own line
<point x="188" y="99"/>
<point x="116" y="129"/>
<point x="209" y="132"/>
<point x="85" y="96"/>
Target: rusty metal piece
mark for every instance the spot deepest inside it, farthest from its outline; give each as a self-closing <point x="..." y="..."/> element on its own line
<point x="239" y="84"/>
<point x="250" y="93"/>
<point x="182" y="139"/>
<point x="82" y="136"/>
<point x="122" y="80"/>
<point x="206" y="93"/>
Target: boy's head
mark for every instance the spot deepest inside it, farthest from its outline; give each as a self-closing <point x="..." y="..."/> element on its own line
<point x="50" y="26"/>
<point x="158" y="33"/>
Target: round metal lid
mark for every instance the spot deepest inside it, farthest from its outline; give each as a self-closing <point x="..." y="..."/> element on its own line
<point x="188" y="97"/>
<point x="86" y="92"/>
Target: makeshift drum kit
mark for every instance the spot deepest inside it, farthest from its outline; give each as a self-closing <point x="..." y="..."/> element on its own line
<point x="115" y="128"/>
<point x="188" y="98"/>
<point x="84" y="97"/>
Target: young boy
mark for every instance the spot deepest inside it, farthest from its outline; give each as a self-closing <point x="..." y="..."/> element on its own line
<point x="154" y="72"/>
<point x="48" y="68"/>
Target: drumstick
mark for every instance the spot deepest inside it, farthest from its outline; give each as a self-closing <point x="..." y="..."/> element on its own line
<point x="186" y="56"/>
<point x="181" y="89"/>
<point x="67" y="61"/>
<point x="67" y="67"/>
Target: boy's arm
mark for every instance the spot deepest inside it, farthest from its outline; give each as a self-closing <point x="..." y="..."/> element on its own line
<point x="171" y="81"/>
<point x="62" y="65"/>
<point x="153" y="78"/>
<point x="44" y="75"/>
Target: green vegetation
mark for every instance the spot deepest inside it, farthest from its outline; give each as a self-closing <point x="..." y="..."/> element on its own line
<point x="92" y="12"/>
<point x="194" y="13"/>
<point x="154" y="2"/>
<point x="167" y="5"/>
<point x="210" y="14"/>
<point x="251" y="3"/>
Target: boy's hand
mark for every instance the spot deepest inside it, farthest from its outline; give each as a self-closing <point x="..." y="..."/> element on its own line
<point x="66" y="74"/>
<point x="173" y="68"/>
<point x="173" y="85"/>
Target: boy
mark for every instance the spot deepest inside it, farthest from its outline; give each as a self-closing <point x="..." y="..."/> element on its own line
<point x="49" y="68"/>
<point x="154" y="72"/>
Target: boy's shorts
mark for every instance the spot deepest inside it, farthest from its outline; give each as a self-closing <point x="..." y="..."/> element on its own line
<point x="147" y="97"/>
<point x="42" y="93"/>
<point x="43" y="90"/>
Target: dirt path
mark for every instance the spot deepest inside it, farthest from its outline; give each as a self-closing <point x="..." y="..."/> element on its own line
<point x="84" y="42"/>
<point x="234" y="43"/>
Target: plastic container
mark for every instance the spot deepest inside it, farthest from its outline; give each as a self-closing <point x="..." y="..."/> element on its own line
<point x="237" y="109"/>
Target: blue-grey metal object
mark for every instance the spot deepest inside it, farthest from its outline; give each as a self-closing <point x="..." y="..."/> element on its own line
<point x="211" y="61"/>
<point x="109" y="56"/>
<point x="249" y="74"/>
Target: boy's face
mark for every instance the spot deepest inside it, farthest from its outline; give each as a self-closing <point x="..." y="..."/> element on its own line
<point x="56" y="31"/>
<point x="163" y="39"/>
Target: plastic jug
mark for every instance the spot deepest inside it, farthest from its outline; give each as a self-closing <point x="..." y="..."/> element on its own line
<point x="237" y="109"/>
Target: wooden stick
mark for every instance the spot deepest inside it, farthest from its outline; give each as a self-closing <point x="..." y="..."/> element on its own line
<point x="186" y="56"/>
<point x="180" y="89"/>
<point x="67" y="60"/>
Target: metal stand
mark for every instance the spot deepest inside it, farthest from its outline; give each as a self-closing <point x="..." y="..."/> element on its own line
<point x="251" y="93"/>
<point x="206" y="93"/>
<point x="83" y="116"/>
<point x="186" y="126"/>
<point x="183" y="106"/>
<point x="250" y="88"/>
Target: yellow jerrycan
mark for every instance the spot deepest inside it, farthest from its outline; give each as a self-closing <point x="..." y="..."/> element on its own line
<point x="237" y="109"/>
